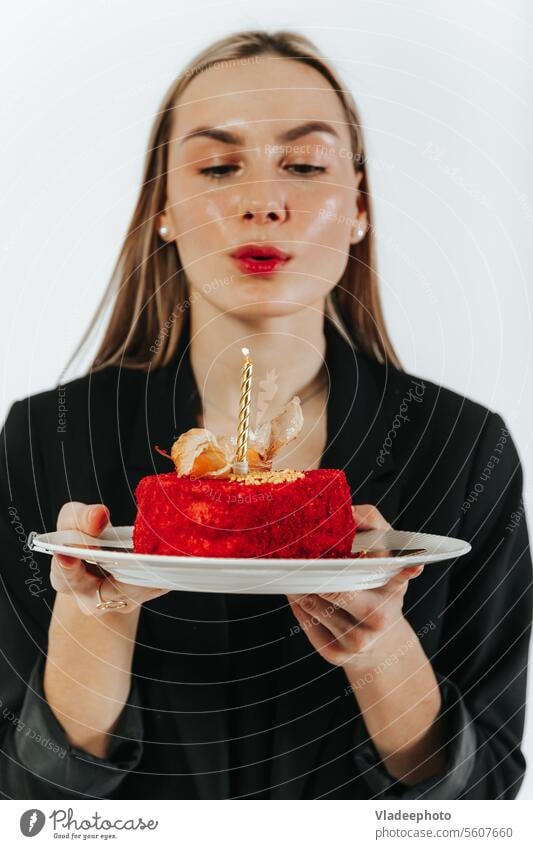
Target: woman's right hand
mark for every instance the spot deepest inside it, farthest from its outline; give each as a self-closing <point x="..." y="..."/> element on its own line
<point x="73" y="577"/>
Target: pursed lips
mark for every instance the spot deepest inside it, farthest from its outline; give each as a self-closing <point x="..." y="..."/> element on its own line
<point x="262" y="259"/>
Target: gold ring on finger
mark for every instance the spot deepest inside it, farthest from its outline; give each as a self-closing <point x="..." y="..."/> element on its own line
<point x="112" y="603"/>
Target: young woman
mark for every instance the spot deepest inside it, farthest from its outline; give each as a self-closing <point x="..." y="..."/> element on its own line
<point x="415" y="690"/>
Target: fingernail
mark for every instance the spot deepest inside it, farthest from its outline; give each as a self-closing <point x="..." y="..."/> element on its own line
<point x="62" y="563"/>
<point x="96" y="515"/>
<point x="306" y="602"/>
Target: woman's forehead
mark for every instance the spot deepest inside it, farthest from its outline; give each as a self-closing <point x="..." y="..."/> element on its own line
<point x="258" y="99"/>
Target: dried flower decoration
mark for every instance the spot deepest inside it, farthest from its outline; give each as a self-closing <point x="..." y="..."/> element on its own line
<point x="200" y="453"/>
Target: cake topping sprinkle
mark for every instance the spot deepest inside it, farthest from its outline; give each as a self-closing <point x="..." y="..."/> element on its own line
<point x="276" y="476"/>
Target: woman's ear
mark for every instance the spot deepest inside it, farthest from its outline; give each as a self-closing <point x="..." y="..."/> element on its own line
<point x="360" y="220"/>
<point x="163" y="227"/>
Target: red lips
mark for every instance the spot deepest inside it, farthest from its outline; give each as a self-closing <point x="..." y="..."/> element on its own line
<point x="260" y="251"/>
<point x="260" y="259"/>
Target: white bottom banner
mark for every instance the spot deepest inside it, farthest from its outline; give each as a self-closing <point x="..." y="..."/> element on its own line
<point x="280" y="824"/>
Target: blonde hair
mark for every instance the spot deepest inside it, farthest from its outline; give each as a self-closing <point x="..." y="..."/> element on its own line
<point x="148" y="281"/>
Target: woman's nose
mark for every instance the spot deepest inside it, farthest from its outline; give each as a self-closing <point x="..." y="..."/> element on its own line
<point x="263" y="211"/>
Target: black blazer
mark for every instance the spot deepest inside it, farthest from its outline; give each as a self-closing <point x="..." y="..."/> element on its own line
<point x="430" y="459"/>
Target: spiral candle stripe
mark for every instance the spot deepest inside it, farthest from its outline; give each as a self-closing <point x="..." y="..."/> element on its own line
<point x="244" y="409"/>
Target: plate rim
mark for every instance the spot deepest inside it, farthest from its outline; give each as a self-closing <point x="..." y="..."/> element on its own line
<point x="41" y="543"/>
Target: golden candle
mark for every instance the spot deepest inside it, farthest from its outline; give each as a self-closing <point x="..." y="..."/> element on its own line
<point x="241" y="462"/>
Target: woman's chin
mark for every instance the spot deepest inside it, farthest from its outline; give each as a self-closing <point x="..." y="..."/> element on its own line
<point x="273" y="298"/>
<point x="266" y="309"/>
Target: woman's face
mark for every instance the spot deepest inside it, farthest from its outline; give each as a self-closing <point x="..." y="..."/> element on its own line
<point x="260" y="156"/>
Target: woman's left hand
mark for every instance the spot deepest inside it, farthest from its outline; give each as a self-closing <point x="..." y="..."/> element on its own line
<point x="357" y="629"/>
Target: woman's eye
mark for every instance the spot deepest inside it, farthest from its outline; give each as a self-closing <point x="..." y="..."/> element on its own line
<point x="304" y="168"/>
<point x="218" y="171"/>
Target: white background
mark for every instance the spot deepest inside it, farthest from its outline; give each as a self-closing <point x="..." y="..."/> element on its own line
<point x="443" y="90"/>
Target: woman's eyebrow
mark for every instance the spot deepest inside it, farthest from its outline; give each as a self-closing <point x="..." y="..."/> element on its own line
<point x="227" y="137"/>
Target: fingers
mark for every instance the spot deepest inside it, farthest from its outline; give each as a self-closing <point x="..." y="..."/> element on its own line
<point x="368" y="518"/>
<point x="362" y="607"/>
<point x="338" y="644"/>
<point x="77" y="582"/>
<point x="75" y="515"/>
<point x="345" y="624"/>
<point x="338" y="621"/>
<point x="320" y="637"/>
<point x="89" y="518"/>
<point x="401" y="580"/>
<point x="74" y="577"/>
<point x="70" y="575"/>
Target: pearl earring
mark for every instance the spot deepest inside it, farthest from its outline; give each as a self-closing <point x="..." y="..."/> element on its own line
<point x="360" y="231"/>
<point x="163" y="231"/>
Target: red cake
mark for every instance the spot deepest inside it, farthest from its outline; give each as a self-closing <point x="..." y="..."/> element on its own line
<point x="213" y="505"/>
<point x="265" y="514"/>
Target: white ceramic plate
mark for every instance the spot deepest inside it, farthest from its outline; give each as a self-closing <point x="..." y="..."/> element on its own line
<point x="113" y="551"/>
